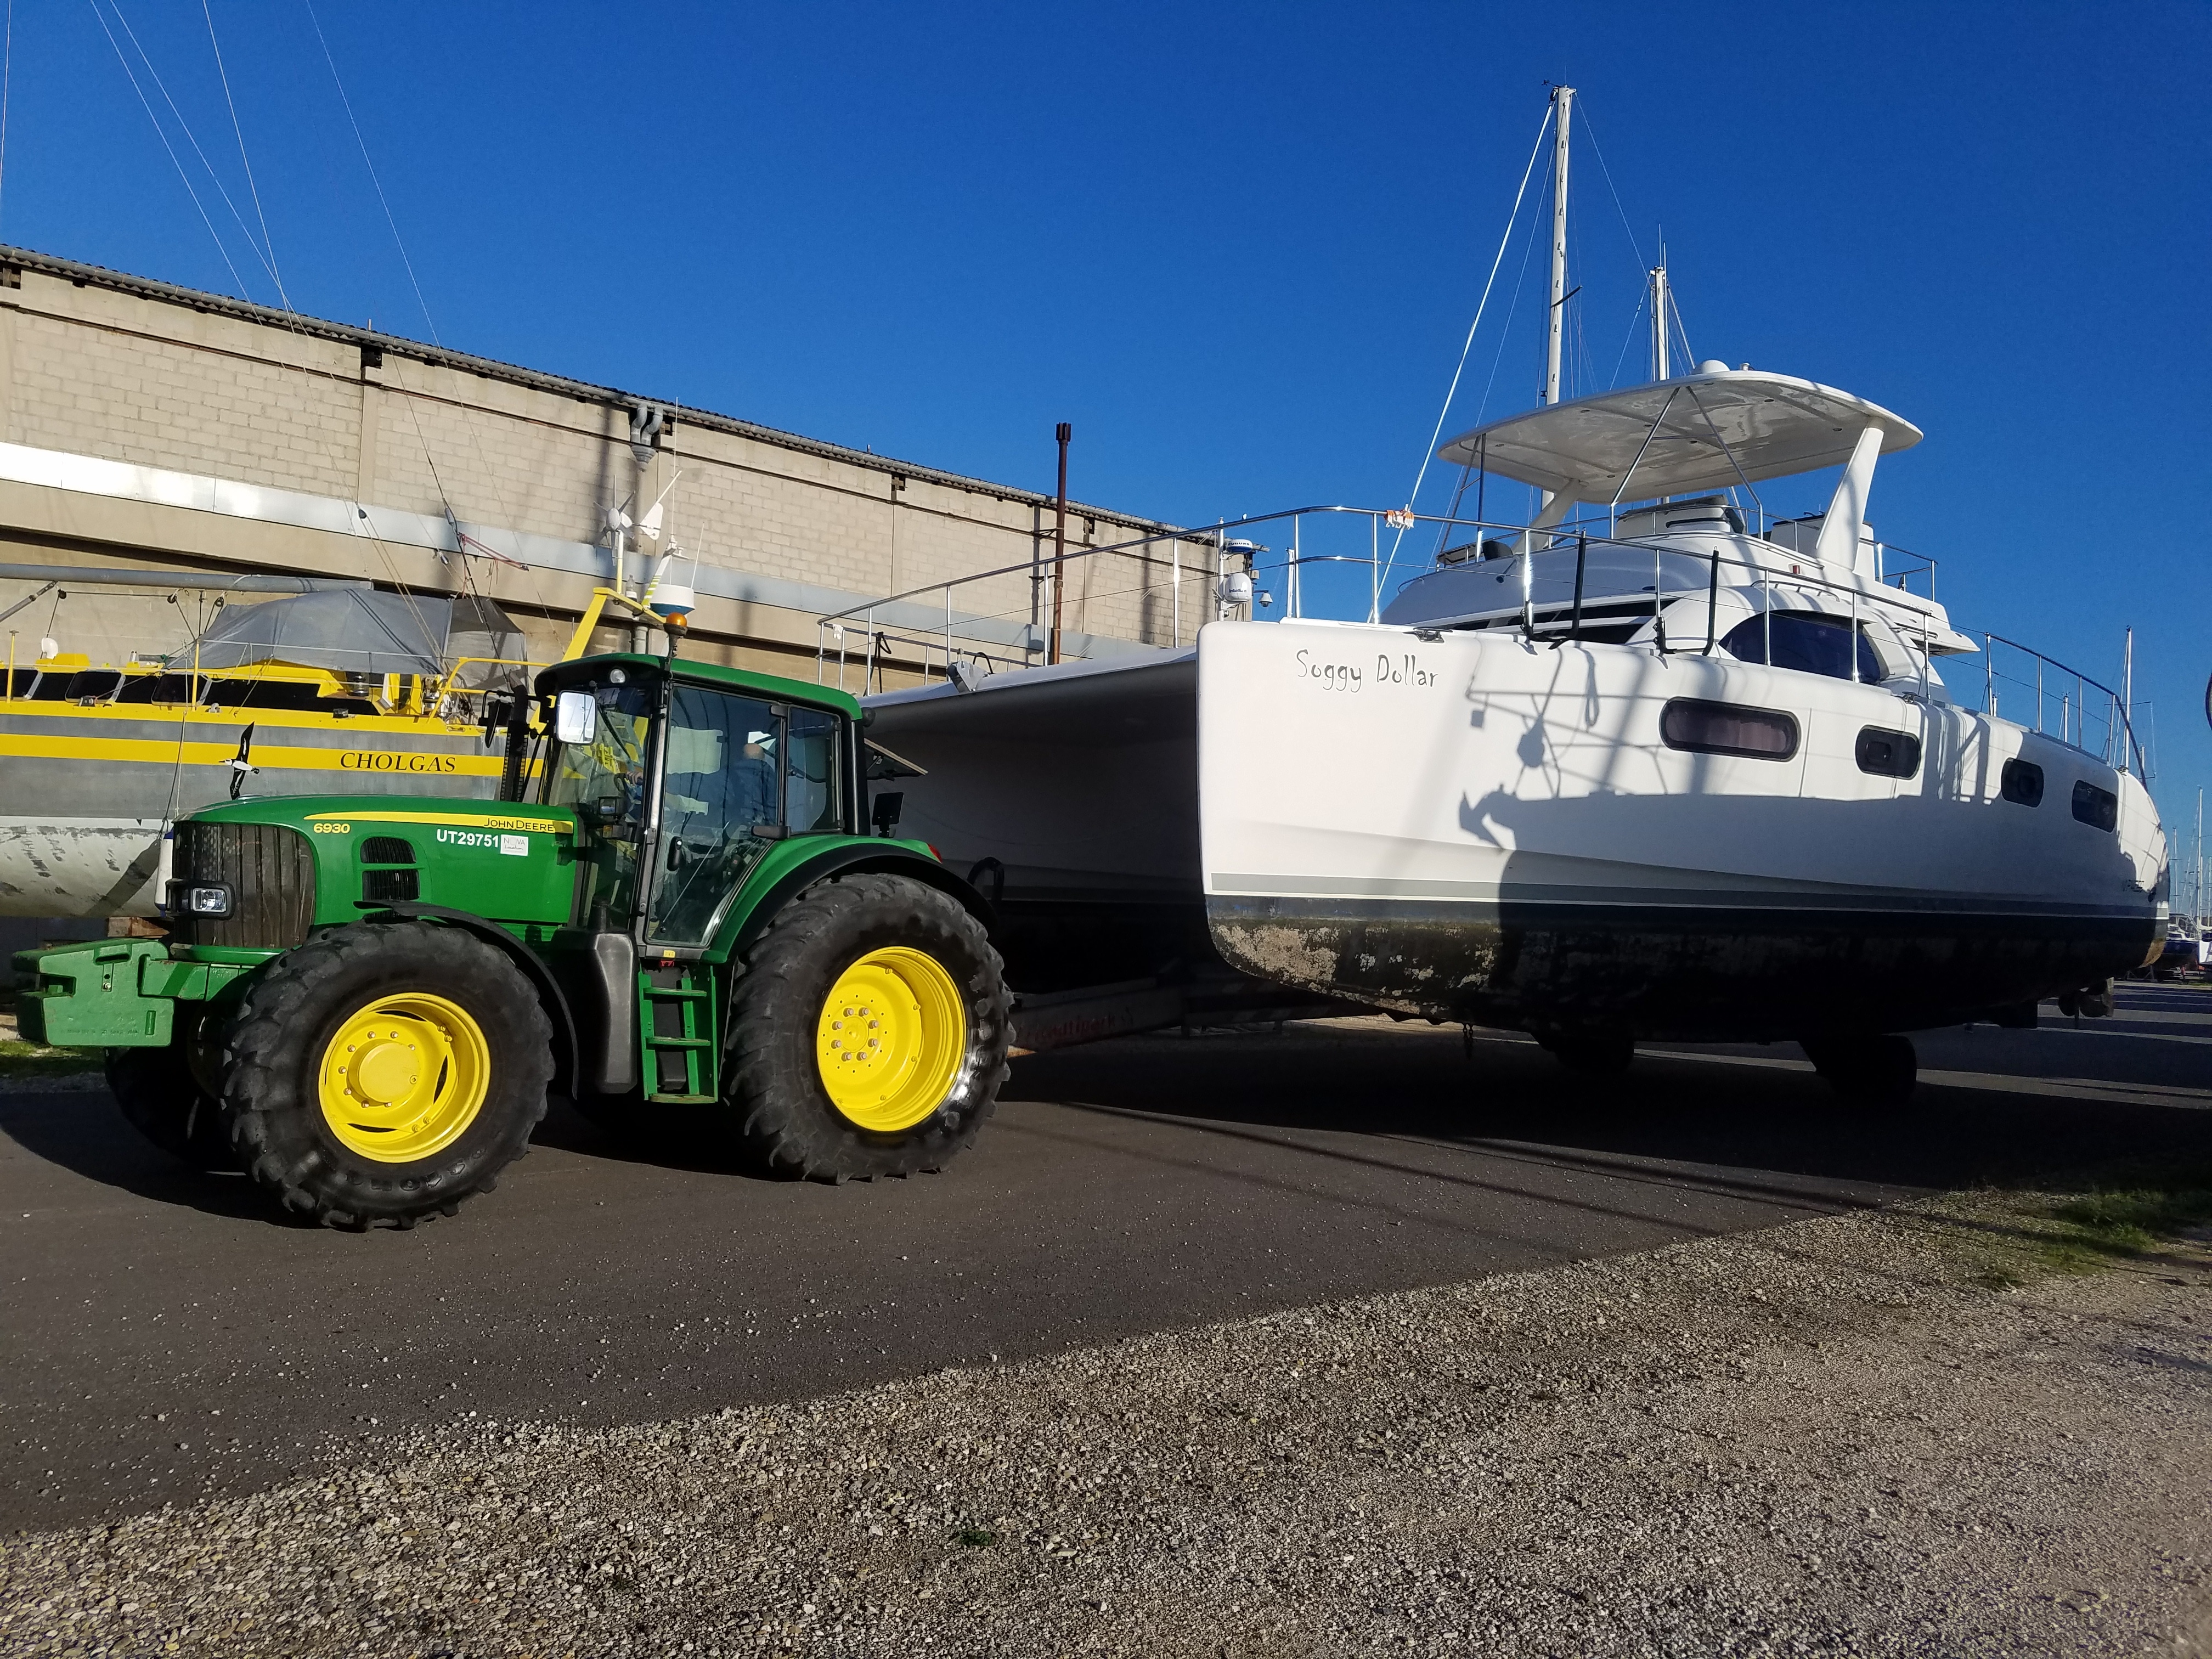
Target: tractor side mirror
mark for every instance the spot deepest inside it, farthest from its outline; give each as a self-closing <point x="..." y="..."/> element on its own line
<point x="886" y="813"/>
<point x="576" y="717"/>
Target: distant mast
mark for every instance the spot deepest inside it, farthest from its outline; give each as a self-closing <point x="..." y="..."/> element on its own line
<point x="1562" y="99"/>
<point x="1663" y="302"/>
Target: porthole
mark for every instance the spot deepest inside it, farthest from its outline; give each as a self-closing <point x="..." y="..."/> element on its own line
<point x="2098" y="808"/>
<point x="2021" y="783"/>
<point x="1887" y="754"/>
<point x="1727" y="728"/>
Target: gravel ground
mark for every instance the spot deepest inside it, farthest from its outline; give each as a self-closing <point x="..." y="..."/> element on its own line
<point x="1830" y="1438"/>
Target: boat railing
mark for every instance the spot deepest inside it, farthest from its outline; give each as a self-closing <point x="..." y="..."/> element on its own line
<point x="929" y="633"/>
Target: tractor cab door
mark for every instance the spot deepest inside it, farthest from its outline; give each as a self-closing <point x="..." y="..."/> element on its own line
<point x="739" y="773"/>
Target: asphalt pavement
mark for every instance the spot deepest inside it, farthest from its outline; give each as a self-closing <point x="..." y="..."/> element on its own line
<point x="169" y="1337"/>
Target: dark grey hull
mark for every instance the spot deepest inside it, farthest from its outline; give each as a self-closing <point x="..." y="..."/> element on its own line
<point x="1713" y="973"/>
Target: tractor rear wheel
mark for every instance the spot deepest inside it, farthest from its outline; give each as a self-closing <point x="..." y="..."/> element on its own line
<point x="1868" y="1071"/>
<point x="869" y="1032"/>
<point x="163" y="1101"/>
<point x="384" y="1072"/>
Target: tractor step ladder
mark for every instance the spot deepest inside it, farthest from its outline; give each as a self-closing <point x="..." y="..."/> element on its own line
<point x="676" y="1030"/>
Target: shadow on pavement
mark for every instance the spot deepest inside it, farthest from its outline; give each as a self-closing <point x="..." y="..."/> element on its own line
<point x="1340" y="1093"/>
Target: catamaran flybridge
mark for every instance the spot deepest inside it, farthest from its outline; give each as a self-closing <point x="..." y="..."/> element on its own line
<point x="1652" y="765"/>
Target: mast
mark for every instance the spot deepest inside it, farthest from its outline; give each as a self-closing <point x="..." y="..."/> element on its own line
<point x="1662" y="300"/>
<point x="1563" y="99"/>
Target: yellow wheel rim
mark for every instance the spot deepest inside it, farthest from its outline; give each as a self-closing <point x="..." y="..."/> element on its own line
<point x="404" y="1077"/>
<point x="892" y="1035"/>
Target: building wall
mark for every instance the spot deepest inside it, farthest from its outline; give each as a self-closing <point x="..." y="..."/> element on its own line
<point x="96" y="365"/>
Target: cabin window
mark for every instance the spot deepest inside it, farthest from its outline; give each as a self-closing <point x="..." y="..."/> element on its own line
<point x="2098" y="808"/>
<point x="2021" y="783"/>
<point x="1806" y="640"/>
<point x="1727" y="728"/>
<point x="1887" y="754"/>
<point x="158" y="688"/>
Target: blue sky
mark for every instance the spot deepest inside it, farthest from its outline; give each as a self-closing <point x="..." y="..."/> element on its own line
<point x="1239" y="246"/>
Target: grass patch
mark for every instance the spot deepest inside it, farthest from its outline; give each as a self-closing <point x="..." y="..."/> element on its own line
<point x="20" y="1058"/>
<point x="975" y="1538"/>
<point x="2021" y="1237"/>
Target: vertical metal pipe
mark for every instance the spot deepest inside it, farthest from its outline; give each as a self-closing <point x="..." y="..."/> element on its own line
<point x="1855" y="637"/>
<point x="1175" y="582"/>
<point x="1658" y="621"/>
<point x="2127" y="700"/>
<point x="1581" y="555"/>
<point x="1374" y="568"/>
<point x="1062" y="433"/>
<point x="1713" y="603"/>
<point x="1527" y="593"/>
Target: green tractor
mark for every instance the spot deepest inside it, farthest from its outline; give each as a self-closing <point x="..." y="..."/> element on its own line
<point x="365" y="1001"/>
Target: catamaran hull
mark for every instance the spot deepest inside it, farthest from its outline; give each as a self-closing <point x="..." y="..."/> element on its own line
<point x="1474" y="828"/>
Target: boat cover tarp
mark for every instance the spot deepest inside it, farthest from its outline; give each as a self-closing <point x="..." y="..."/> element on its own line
<point x="359" y="630"/>
<point x="1719" y="429"/>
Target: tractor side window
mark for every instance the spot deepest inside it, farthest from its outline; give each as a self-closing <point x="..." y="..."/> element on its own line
<point x="812" y="772"/>
<point x="720" y="794"/>
<point x="605" y="780"/>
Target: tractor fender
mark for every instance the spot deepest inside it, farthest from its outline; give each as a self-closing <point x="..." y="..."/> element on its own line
<point x="851" y="858"/>
<point x="565" y="1065"/>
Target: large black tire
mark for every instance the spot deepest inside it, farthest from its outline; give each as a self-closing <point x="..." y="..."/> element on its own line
<point x="162" y="1100"/>
<point x="1592" y="1053"/>
<point x="779" y="1110"/>
<point x="1867" y="1071"/>
<point x="269" y="1076"/>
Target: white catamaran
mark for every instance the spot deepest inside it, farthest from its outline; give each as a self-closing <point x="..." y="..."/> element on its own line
<point x="1654" y="765"/>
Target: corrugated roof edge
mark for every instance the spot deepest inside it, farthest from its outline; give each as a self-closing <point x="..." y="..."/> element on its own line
<point x="147" y="288"/>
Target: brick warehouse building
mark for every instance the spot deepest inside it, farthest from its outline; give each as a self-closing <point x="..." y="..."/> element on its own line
<point x="147" y="427"/>
<point x="144" y="425"/>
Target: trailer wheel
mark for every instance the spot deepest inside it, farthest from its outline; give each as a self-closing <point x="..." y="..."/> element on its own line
<point x="162" y="1100"/>
<point x="868" y="1035"/>
<point x="1868" y="1071"/>
<point x="384" y="1072"/>
<point x="1592" y="1053"/>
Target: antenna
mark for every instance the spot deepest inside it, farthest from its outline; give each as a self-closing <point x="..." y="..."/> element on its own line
<point x="1662" y="304"/>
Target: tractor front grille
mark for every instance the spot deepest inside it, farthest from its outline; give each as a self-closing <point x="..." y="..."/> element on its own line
<point x="270" y="872"/>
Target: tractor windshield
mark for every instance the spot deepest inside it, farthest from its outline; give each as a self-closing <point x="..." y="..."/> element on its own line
<point x="604" y="778"/>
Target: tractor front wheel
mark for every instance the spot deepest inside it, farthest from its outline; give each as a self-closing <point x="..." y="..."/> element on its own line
<point x="163" y="1101"/>
<point x="869" y="1034"/>
<point x="384" y="1072"/>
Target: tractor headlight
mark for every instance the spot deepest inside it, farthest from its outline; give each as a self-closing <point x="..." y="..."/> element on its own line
<point x="212" y="899"/>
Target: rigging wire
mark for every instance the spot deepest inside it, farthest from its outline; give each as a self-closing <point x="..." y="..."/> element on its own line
<point x="468" y="580"/>
<point x="1505" y="332"/>
<point x="268" y="242"/>
<point x="6" y="72"/>
<point x="186" y="127"/>
<point x="1628" y="339"/>
<point x="1635" y="247"/>
<point x="1428" y="454"/>
<point x="382" y="200"/>
<point x="161" y="133"/>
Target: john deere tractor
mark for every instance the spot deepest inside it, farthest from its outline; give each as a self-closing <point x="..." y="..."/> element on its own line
<point x="365" y="1001"/>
